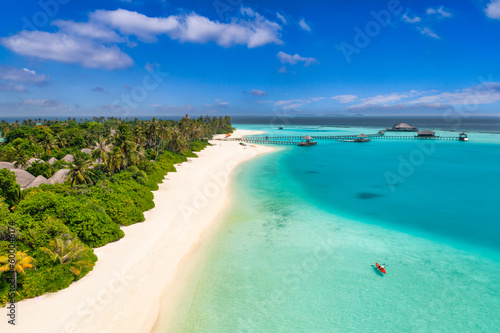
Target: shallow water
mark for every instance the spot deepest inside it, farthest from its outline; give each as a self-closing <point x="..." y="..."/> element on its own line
<point x="306" y="224"/>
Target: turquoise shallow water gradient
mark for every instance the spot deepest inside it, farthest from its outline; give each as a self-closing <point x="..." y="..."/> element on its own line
<point x="306" y="224"/>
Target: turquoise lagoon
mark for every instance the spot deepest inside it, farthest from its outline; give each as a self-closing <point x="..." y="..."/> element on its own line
<point x="295" y="248"/>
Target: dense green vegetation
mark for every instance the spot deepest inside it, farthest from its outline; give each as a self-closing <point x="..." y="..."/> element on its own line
<point x="56" y="227"/>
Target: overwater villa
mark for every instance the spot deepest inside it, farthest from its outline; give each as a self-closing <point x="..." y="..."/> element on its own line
<point x="308" y="141"/>
<point x="402" y="127"/>
<point x="427" y="134"/>
<point x="463" y="137"/>
<point x="360" y="138"/>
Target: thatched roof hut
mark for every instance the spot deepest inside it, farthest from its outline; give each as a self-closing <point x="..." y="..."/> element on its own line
<point x="68" y="158"/>
<point x="59" y="176"/>
<point x="52" y="160"/>
<point x="362" y="136"/>
<point x="7" y="165"/>
<point x="37" y="181"/>
<point x="33" y="160"/>
<point x="23" y="178"/>
<point x="307" y="137"/>
<point x="426" y="133"/>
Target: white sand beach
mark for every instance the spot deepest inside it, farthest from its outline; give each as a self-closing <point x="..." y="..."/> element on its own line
<point x="123" y="292"/>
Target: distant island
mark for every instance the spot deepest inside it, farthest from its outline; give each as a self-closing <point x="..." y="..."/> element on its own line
<point x="66" y="187"/>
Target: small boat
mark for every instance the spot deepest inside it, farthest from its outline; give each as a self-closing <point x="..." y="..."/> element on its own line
<point x="280" y="128"/>
<point x="380" y="268"/>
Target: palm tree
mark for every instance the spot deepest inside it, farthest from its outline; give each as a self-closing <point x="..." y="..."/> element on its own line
<point x="22" y="262"/>
<point x="99" y="152"/>
<point x="177" y="142"/>
<point x="19" y="195"/>
<point x="115" y="160"/>
<point x="47" y="143"/>
<point x="123" y="141"/>
<point x="69" y="251"/>
<point x="80" y="171"/>
<point x="21" y="160"/>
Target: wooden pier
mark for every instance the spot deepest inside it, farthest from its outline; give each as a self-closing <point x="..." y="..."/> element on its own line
<point x="294" y="140"/>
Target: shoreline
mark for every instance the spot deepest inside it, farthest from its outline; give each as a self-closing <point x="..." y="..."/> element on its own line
<point x="123" y="291"/>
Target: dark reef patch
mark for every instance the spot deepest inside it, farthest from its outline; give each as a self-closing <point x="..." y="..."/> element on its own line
<point x="369" y="195"/>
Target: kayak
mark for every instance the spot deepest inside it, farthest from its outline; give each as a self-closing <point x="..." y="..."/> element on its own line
<point x="380" y="268"/>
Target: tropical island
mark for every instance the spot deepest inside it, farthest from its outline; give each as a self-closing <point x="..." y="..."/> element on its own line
<point x="106" y="170"/>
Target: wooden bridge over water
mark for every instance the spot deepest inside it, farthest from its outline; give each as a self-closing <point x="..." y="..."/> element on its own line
<point x="294" y="140"/>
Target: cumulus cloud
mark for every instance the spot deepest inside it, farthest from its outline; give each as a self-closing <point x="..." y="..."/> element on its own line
<point x="304" y="25"/>
<point x="13" y="87"/>
<point x="66" y="48"/>
<point x="441" y="12"/>
<point x="22" y="75"/>
<point x="428" y="32"/>
<point x="193" y="28"/>
<point x="88" y="29"/>
<point x="294" y="59"/>
<point x="493" y="9"/>
<point x="258" y="93"/>
<point x="345" y="98"/>
<point x="282" y="69"/>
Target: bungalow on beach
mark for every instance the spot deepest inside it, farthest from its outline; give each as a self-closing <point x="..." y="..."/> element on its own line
<point x="308" y="141"/>
<point x="402" y="127"/>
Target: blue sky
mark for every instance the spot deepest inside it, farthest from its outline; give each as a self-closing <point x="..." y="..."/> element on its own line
<point x="154" y="57"/>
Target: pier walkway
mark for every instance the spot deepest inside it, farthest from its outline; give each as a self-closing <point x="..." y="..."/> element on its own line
<point x="294" y="140"/>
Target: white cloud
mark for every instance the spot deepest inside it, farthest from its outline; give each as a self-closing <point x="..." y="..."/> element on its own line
<point x="493" y="9"/>
<point x="88" y="29"/>
<point x="296" y="103"/>
<point x="12" y="87"/>
<point x="345" y="98"/>
<point x="408" y="19"/>
<point x="219" y="104"/>
<point x="485" y="93"/>
<point x="428" y="32"/>
<point x="22" y="75"/>
<point x="282" y="69"/>
<point x="247" y="11"/>
<point x="193" y="28"/>
<point x="304" y="25"/>
<point x="257" y="93"/>
<point x="441" y="12"/>
<point x="282" y="18"/>
<point x="294" y="59"/>
<point x="46" y="103"/>
<point x="66" y="48"/>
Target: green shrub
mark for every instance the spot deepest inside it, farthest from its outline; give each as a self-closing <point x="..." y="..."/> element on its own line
<point x="88" y="221"/>
<point x="41" y="169"/>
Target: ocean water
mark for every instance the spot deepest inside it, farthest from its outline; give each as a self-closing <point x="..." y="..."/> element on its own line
<point x="296" y="247"/>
